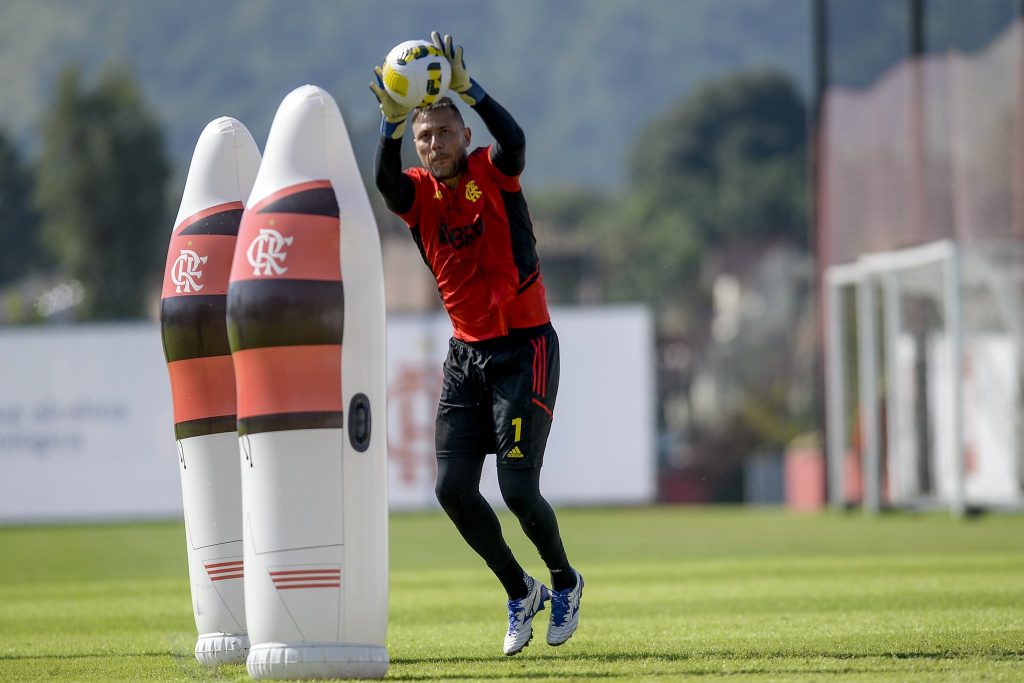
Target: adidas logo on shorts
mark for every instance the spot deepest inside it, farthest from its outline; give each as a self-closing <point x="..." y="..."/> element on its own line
<point x="515" y="453"/>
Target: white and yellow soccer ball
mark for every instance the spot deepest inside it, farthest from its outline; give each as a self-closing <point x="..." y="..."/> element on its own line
<point x="416" y="73"/>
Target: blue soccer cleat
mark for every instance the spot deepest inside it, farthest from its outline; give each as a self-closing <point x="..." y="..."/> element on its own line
<point x="565" y="612"/>
<point x="521" y="614"/>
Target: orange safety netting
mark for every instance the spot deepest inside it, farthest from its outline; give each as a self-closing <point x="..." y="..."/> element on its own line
<point x="933" y="150"/>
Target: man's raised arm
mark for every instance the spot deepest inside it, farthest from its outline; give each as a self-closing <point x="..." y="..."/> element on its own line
<point x="509" y="151"/>
<point x="398" y="190"/>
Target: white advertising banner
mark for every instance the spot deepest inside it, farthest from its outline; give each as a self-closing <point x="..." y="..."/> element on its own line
<point x="86" y="427"/>
<point x="85" y="424"/>
<point x="601" y="448"/>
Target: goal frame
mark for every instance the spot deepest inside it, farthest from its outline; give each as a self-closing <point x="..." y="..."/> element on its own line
<point x="868" y="275"/>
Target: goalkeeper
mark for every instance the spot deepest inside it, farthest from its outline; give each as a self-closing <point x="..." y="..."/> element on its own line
<point x="467" y="215"/>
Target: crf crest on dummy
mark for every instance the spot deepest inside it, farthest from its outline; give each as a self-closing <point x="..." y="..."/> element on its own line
<point x="306" y="326"/>
<point x="195" y="341"/>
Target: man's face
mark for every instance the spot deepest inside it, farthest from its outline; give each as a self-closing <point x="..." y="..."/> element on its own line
<point x="441" y="143"/>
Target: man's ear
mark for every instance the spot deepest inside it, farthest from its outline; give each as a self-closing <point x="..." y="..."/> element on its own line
<point x="467" y="135"/>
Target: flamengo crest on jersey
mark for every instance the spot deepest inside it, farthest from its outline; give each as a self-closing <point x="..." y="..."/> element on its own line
<point x="185" y="271"/>
<point x="266" y="252"/>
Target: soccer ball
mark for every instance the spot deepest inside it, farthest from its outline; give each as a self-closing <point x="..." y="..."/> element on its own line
<point x="416" y="73"/>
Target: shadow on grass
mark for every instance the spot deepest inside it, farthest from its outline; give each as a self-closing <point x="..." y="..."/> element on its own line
<point x="88" y="655"/>
<point x="612" y="657"/>
<point x="616" y="664"/>
<point x="701" y="664"/>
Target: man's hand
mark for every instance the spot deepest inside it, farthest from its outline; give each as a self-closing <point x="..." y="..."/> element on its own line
<point x="461" y="84"/>
<point x="393" y="114"/>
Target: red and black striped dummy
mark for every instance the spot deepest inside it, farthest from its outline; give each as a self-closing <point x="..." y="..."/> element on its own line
<point x="193" y="306"/>
<point x="195" y="339"/>
<point x="311" y="409"/>
<point x="286" y="312"/>
<point x="285" y="322"/>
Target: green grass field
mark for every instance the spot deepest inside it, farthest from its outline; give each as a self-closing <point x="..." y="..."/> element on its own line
<point x="743" y="594"/>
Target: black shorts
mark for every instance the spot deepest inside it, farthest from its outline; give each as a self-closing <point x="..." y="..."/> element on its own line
<point x="498" y="396"/>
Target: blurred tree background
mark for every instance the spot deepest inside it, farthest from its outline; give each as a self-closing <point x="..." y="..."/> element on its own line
<point x="581" y="76"/>
<point x="101" y="191"/>
<point x="20" y="250"/>
<point x="712" y="232"/>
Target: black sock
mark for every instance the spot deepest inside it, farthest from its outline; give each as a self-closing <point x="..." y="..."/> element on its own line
<point x="561" y="579"/>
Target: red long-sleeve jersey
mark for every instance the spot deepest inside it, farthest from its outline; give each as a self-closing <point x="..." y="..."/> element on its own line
<point x="477" y="240"/>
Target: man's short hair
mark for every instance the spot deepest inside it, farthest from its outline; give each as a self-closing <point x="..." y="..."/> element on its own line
<point x="438" y="105"/>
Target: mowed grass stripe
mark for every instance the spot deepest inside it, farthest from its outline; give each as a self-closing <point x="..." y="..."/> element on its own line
<point x="671" y="592"/>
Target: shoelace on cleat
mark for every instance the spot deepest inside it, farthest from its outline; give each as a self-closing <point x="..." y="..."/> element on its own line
<point x="559" y="607"/>
<point x="514" y="610"/>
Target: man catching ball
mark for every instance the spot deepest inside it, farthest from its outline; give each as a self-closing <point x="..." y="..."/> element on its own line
<point x="466" y="213"/>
